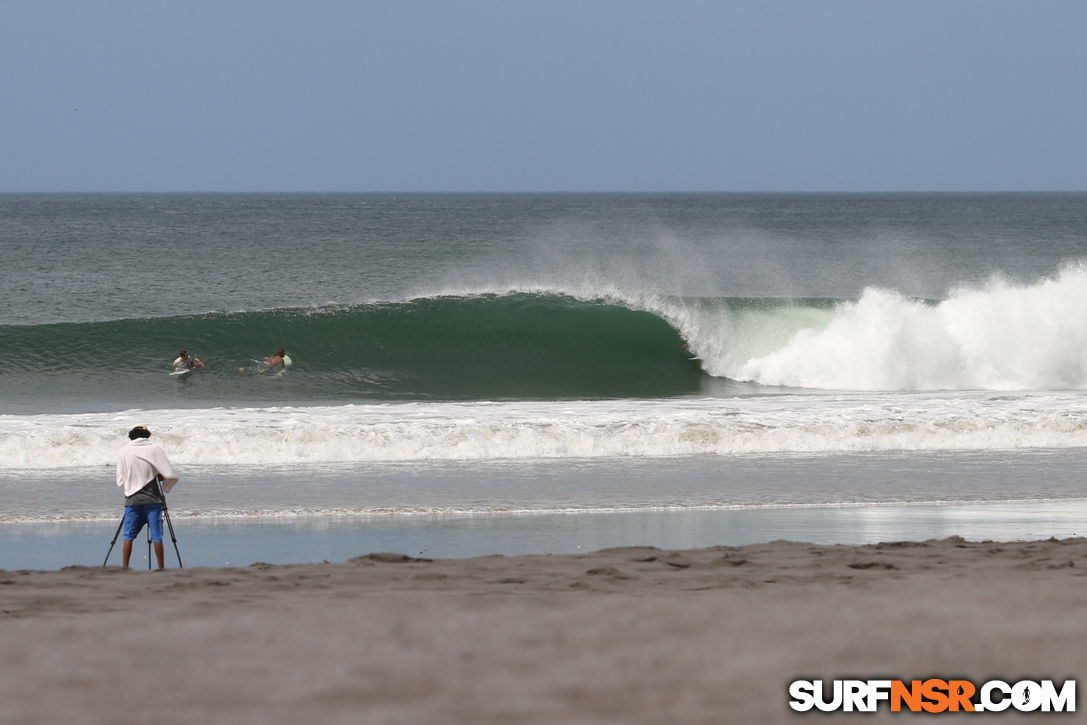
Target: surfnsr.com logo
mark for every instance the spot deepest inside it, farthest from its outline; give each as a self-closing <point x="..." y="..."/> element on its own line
<point x="933" y="695"/>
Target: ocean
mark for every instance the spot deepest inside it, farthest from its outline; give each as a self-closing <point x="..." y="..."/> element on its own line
<point x="528" y="373"/>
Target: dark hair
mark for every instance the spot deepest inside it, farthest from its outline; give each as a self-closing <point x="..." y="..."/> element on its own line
<point x="281" y="352"/>
<point x="138" y="432"/>
<point x="183" y="353"/>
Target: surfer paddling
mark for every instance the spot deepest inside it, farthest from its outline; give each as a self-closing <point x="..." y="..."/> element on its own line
<point x="277" y="362"/>
<point x="185" y="361"/>
<point x="277" y="359"/>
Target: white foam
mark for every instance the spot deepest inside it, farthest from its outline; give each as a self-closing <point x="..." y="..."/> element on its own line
<point x="417" y="512"/>
<point x="554" y="430"/>
<point x="1002" y="337"/>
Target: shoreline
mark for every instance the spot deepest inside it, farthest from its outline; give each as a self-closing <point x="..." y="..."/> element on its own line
<point x="631" y="634"/>
<point x="296" y="540"/>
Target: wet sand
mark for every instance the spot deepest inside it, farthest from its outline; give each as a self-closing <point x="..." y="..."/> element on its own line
<point x="630" y="635"/>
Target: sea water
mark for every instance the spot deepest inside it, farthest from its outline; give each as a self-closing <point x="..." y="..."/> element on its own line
<point x="478" y="374"/>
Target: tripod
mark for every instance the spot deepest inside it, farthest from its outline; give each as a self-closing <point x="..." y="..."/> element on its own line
<point x="169" y="524"/>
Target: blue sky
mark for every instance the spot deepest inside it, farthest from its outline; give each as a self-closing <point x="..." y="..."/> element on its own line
<point x="585" y="95"/>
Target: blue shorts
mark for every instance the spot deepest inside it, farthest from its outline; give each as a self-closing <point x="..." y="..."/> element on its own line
<point x="137" y="516"/>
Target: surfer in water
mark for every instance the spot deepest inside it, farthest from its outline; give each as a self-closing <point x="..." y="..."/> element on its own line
<point x="185" y="361"/>
<point x="277" y="359"/>
<point x="277" y="363"/>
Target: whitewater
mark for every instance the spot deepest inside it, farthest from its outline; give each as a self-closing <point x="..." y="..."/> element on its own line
<point x="784" y="423"/>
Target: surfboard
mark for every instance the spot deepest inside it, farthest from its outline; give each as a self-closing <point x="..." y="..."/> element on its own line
<point x="179" y="372"/>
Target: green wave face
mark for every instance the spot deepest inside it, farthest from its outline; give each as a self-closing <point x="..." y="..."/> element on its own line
<point x="526" y="346"/>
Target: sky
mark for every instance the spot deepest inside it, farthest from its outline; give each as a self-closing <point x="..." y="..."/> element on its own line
<point x="534" y="96"/>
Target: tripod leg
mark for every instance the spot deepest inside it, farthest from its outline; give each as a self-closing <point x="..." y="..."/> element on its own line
<point x="112" y="543"/>
<point x="169" y="523"/>
<point x="173" y="538"/>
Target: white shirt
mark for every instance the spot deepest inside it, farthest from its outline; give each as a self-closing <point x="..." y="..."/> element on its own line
<point x="139" y="462"/>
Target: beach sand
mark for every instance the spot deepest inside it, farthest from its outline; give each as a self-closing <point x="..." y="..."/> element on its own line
<point x="632" y="635"/>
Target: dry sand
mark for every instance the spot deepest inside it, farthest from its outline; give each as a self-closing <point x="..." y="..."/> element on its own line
<point x="634" y="635"/>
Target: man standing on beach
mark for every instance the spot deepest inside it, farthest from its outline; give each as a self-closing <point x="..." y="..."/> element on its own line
<point x="146" y="475"/>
